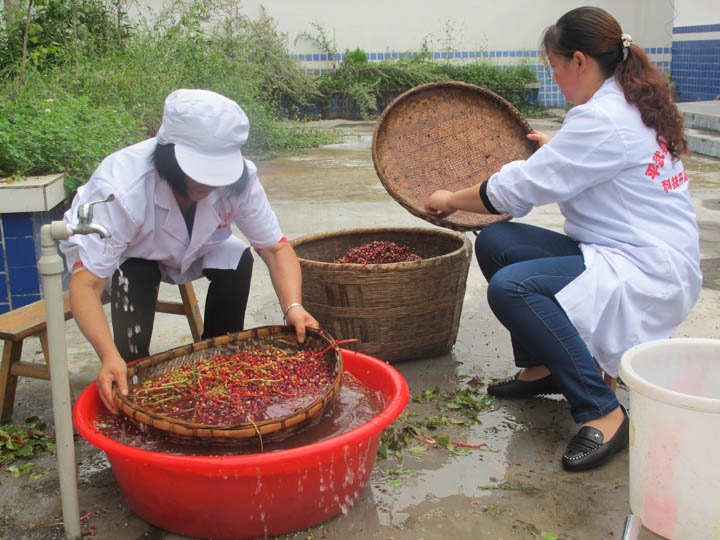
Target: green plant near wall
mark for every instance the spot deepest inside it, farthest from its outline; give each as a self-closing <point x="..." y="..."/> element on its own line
<point x="356" y="57"/>
<point x="370" y="84"/>
<point x="57" y="29"/>
<point x="319" y="38"/>
<point x="69" y="114"/>
<point x="507" y="81"/>
<point x="46" y="130"/>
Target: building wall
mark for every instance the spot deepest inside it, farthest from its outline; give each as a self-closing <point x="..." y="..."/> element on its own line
<point x="696" y="12"/>
<point x="501" y="33"/>
<point x="403" y="25"/>
<point x="20" y="250"/>
<point x="695" y="66"/>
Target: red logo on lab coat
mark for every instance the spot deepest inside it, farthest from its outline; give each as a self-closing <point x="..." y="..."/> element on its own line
<point x="658" y="162"/>
<point x="675" y="182"/>
<point x="225" y="221"/>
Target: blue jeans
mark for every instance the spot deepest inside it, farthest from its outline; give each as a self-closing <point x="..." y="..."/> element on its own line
<point x="525" y="267"/>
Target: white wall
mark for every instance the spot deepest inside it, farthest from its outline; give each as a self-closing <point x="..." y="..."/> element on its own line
<point x="697" y="12"/>
<point x="403" y="25"/>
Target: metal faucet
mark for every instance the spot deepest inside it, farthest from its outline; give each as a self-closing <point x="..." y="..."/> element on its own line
<point x="85" y="224"/>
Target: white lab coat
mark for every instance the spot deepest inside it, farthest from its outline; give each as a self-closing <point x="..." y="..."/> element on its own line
<point x="146" y="222"/>
<point x="627" y="203"/>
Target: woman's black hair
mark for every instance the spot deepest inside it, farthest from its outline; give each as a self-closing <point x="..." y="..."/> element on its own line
<point x="167" y="167"/>
<point x="237" y="187"/>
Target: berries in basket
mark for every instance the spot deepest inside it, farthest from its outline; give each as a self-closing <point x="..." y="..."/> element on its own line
<point x="260" y="384"/>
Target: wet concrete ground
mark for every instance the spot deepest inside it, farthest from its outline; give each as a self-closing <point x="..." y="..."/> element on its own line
<point x="513" y="488"/>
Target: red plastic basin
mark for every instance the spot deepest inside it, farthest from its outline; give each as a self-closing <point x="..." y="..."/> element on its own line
<point x="254" y="495"/>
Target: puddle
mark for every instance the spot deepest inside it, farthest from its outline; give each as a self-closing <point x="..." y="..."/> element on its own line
<point x="92" y="465"/>
<point x="703" y="171"/>
<point x="709" y="238"/>
<point x="711" y="204"/>
<point x="711" y="273"/>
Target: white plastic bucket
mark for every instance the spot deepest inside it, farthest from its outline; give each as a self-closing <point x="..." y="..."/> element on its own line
<point x="675" y="436"/>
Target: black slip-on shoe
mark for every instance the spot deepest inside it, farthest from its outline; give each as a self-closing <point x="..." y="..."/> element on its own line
<point x="512" y="387"/>
<point x="587" y="450"/>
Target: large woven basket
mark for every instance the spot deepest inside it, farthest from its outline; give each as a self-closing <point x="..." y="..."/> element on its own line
<point x="269" y="430"/>
<point x="396" y="311"/>
<point x="446" y="135"/>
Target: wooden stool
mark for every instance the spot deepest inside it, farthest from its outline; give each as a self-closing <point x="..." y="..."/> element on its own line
<point x="28" y="321"/>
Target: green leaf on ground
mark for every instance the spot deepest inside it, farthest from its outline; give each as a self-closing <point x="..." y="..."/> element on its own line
<point x="24" y="442"/>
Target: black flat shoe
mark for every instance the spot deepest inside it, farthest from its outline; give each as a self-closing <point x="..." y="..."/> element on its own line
<point x="586" y="450"/>
<point x="512" y="387"/>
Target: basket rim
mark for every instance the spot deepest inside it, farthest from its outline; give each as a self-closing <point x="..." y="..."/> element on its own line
<point x="447" y="222"/>
<point x="466" y="246"/>
<point x="241" y="431"/>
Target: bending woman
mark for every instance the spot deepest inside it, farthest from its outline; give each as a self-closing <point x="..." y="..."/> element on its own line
<point x="627" y="268"/>
<point x="176" y="197"/>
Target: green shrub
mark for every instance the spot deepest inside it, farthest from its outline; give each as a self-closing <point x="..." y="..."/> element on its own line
<point x="509" y="82"/>
<point x="103" y="100"/>
<point x="367" y="85"/>
<point x="356" y="57"/>
<point x="44" y="130"/>
<point x="58" y="29"/>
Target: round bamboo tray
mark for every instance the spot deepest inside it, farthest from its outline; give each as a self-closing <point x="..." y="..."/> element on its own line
<point x="396" y="311"/>
<point x="446" y="135"/>
<point x="274" y="429"/>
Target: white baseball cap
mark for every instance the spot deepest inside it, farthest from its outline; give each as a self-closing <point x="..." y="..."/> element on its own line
<point x="208" y="131"/>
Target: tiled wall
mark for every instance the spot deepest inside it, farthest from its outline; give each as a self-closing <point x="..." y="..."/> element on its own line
<point x="549" y="94"/>
<point x="696" y="62"/>
<point x="20" y="280"/>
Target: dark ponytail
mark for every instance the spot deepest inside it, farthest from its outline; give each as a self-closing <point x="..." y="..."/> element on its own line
<point x="596" y="33"/>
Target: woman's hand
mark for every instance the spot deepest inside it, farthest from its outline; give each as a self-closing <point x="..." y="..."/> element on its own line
<point x="539" y="137"/>
<point x="300" y="319"/>
<point x="286" y="277"/>
<point x="113" y="369"/>
<point x="438" y="204"/>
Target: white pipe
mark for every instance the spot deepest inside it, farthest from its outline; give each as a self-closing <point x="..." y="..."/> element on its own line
<point x="51" y="267"/>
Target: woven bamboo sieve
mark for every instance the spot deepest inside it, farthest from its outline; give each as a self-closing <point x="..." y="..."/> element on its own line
<point x="396" y="311"/>
<point x="446" y="135"/>
<point x="275" y="429"/>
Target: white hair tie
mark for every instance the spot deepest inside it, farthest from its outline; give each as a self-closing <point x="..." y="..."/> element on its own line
<point x="626" y="42"/>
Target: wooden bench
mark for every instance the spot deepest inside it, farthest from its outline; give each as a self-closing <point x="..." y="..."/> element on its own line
<point x="28" y="321"/>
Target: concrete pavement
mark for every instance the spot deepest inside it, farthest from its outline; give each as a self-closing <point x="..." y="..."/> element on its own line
<point x="514" y="489"/>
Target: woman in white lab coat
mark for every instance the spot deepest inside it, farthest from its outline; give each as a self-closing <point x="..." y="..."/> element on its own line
<point x="175" y="198"/>
<point x="627" y="268"/>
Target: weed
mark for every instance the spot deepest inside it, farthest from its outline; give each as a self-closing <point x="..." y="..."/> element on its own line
<point x="24" y="443"/>
<point x="403" y="434"/>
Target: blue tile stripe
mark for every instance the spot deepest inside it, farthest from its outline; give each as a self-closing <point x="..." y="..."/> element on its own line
<point x="696" y="29"/>
<point x="517" y="53"/>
